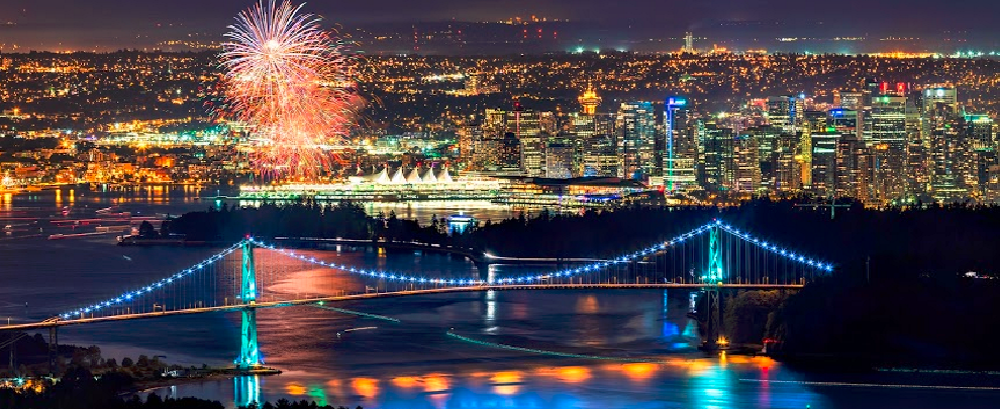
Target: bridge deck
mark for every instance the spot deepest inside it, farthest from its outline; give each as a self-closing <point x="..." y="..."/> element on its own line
<point x="289" y="303"/>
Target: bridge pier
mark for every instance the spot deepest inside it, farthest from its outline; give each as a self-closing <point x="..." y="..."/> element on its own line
<point x="249" y="353"/>
<point x="712" y="279"/>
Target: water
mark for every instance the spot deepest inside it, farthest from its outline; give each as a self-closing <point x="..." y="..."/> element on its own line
<point x="415" y="364"/>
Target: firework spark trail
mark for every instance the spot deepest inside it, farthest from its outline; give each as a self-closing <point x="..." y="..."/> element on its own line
<point x="279" y="69"/>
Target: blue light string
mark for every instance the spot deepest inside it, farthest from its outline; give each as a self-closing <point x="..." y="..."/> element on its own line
<point x="129" y="295"/>
<point x="569" y="272"/>
<point x="775" y="249"/>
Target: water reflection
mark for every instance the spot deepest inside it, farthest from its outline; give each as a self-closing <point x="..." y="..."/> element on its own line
<point x="246" y="391"/>
<point x="699" y="382"/>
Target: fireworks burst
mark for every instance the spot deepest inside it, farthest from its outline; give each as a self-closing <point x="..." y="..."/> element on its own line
<point x="289" y="81"/>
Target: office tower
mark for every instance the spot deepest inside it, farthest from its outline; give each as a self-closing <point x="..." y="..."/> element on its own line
<point x="849" y="100"/>
<point x="486" y="139"/>
<point x="559" y="153"/>
<point x="681" y="150"/>
<point x="852" y="160"/>
<point x="979" y="131"/>
<point x="843" y="121"/>
<point x="531" y="128"/>
<point x="917" y="148"/>
<point x="934" y="96"/>
<point x="533" y="148"/>
<point x="689" y="42"/>
<point x="982" y="153"/>
<point x="600" y="155"/>
<point x="787" y="172"/>
<point x="766" y="138"/>
<point x="887" y="136"/>
<point x="811" y="121"/>
<point x="509" y="154"/>
<point x="783" y="112"/>
<point x="824" y="164"/>
<point x="717" y="170"/>
<point x="746" y="166"/>
<point x="636" y="123"/>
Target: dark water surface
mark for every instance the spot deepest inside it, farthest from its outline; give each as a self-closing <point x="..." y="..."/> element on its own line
<point x="341" y="359"/>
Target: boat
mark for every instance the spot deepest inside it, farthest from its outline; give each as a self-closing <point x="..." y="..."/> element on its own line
<point x="460" y="218"/>
<point x="112" y="212"/>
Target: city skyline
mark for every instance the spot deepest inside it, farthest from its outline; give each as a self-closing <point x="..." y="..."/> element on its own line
<point x="106" y="25"/>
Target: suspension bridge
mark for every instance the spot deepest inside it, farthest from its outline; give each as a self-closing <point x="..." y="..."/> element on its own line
<point x="253" y="274"/>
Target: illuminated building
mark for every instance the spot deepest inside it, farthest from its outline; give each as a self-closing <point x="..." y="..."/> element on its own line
<point x="681" y="150"/>
<point x="783" y="112"/>
<point x="852" y="164"/>
<point x="600" y="155"/>
<point x="509" y="154"/>
<point x="637" y="124"/>
<point x="850" y="100"/>
<point x="766" y="138"/>
<point x="689" y="42"/>
<point x="787" y="171"/>
<point x="717" y="165"/>
<point x="746" y="166"/>
<point x="934" y="96"/>
<point x="589" y="101"/>
<point x="887" y="134"/>
<point x="559" y="159"/>
<point x="532" y="129"/>
<point x="824" y="163"/>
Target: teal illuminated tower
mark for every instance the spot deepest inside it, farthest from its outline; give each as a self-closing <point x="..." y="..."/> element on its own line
<point x="712" y="279"/>
<point x="249" y="354"/>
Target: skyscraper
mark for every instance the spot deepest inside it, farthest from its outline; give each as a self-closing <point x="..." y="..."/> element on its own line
<point x="783" y="112"/>
<point x="824" y="163"/>
<point x="934" y="96"/>
<point x="888" y="136"/>
<point x="637" y="124"/>
<point x="680" y="152"/>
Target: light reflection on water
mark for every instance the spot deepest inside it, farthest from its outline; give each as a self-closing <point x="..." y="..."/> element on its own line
<point x="414" y="364"/>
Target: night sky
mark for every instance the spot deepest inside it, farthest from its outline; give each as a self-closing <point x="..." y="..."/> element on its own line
<point x="109" y="23"/>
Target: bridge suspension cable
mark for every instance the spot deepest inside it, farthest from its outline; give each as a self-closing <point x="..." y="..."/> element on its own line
<point x="747" y="260"/>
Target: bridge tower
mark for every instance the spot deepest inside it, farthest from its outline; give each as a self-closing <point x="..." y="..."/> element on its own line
<point x="713" y="277"/>
<point x="249" y="354"/>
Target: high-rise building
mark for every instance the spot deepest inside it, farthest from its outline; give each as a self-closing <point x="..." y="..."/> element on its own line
<point x="509" y="158"/>
<point x="637" y="125"/>
<point x="689" y="42"/>
<point x="934" y="96"/>
<point x="852" y="165"/>
<point x="746" y="166"/>
<point x="887" y="133"/>
<point x="559" y="153"/>
<point x="982" y="153"/>
<point x="600" y="155"/>
<point x="783" y="112"/>
<point x="787" y="171"/>
<point x="979" y="130"/>
<point x="532" y="129"/>
<point x="824" y="163"/>
<point x="850" y="100"/>
<point x="717" y="168"/>
<point x="917" y="173"/>
<point x="681" y="151"/>
<point x="766" y="138"/>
